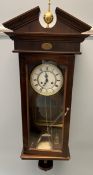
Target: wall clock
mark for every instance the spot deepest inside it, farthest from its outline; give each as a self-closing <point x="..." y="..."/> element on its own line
<point x="46" y="61"/>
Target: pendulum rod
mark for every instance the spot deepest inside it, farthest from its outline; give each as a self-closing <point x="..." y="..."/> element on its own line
<point x="46" y="115"/>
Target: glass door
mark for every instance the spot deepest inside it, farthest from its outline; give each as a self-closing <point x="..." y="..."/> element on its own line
<point x="46" y="112"/>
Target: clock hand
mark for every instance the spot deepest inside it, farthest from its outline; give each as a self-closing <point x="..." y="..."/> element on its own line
<point x="46" y="80"/>
<point x="44" y="84"/>
<point x="46" y="76"/>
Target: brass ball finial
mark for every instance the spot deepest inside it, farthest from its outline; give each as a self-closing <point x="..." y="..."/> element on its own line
<point x="48" y="16"/>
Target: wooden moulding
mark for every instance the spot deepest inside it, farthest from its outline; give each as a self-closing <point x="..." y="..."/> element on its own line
<point x="27" y="156"/>
<point x="60" y="43"/>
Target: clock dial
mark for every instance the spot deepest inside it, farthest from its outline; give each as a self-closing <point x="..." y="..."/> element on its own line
<point x="46" y="79"/>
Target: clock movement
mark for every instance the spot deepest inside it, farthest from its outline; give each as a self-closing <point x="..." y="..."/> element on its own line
<point x="46" y="62"/>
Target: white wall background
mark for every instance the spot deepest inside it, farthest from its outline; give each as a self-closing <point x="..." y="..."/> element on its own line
<point x="81" y="130"/>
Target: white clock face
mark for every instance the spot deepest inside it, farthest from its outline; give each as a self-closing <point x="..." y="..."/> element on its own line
<point x="46" y="79"/>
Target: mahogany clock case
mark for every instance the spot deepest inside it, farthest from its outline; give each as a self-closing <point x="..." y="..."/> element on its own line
<point x="37" y="45"/>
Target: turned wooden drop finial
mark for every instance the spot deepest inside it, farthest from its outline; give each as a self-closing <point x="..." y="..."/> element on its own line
<point x="45" y="164"/>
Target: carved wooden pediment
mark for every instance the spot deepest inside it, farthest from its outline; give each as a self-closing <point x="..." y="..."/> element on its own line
<point x="29" y="22"/>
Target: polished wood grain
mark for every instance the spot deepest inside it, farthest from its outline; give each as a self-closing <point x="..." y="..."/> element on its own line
<point x="60" y="42"/>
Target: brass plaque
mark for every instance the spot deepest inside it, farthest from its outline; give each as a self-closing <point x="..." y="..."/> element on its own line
<point x="46" y="46"/>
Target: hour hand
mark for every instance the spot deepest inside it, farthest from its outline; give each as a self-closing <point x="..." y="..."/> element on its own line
<point x="46" y="76"/>
<point x="45" y="82"/>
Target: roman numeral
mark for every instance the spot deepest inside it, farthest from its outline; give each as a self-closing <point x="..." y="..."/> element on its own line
<point x="40" y="89"/>
<point x="36" y="84"/>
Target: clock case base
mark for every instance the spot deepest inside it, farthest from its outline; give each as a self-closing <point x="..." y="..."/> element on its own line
<point x="45" y="162"/>
<point x="27" y="156"/>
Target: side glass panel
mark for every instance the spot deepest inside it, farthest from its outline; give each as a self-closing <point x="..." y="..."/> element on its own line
<point x="46" y="115"/>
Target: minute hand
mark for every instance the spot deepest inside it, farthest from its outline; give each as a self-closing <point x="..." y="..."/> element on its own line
<point x="46" y="80"/>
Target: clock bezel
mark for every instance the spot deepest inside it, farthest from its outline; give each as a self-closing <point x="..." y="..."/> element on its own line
<point x="40" y="66"/>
